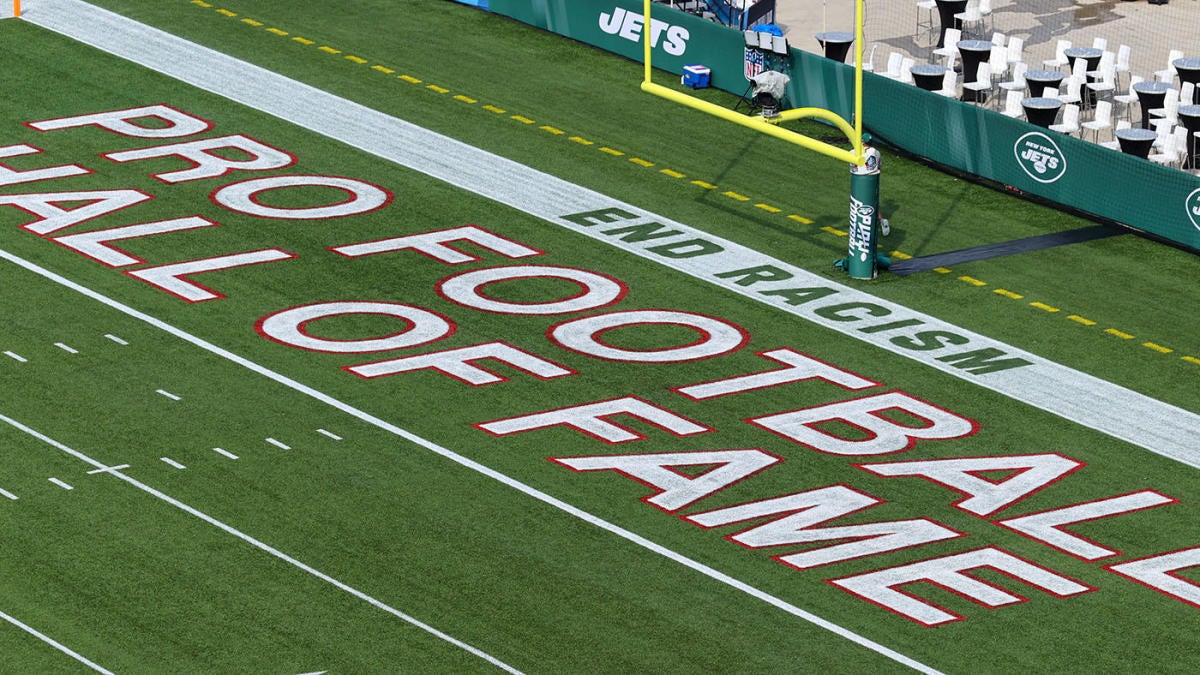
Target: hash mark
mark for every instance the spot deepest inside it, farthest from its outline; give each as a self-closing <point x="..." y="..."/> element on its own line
<point x="168" y="394"/>
<point x="66" y="348"/>
<point x="225" y="453"/>
<point x="116" y="339"/>
<point x="61" y="484"/>
<point x="16" y="357"/>
<point x="279" y="444"/>
<point x="8" y="494"/>
<point x="171" y="462"/>
<point x="330" y="434"/>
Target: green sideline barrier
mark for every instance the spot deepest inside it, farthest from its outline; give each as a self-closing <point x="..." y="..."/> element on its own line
<point x="1063" y="169"/>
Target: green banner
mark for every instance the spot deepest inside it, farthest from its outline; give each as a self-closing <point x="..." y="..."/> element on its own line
<point x="1108" y="184"/>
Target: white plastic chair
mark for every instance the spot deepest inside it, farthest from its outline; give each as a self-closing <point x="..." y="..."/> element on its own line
<point x="1124" y="57"/>
<point x="1107" y="82"/>
<point x="1012" y="104"/>
<point x="869" y="61"/>
<point x="1168" y="74"/>
<point x="1016" y="50"/>
<point x="895" y="59"/>
<point x="1174" y="146"/>
<point x="950" y="50"/>
<point x="973" y="19"/>
<point x="906" y="75"/>
<point x="1128" y="99"/>
<point x="998" y="58"/>
<point x="925" y="12"/>
<point x="998" y="38"/>
<point x="1100" y="121"/>
<point x="1017" y="83"/>
<point x="982" y="83"/>
<point x="1100" y="43"/>
<point x="1072" y="94"/>
<point x="949" y="84"/>
<point x="1114" y="144"/>
<point x="1060" y="58"/>
<point x="1070" y="120"/>
<point x="1169" y="113"/>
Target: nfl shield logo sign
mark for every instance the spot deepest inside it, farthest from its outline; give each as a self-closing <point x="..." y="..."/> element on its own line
<point x="755" y="63"/>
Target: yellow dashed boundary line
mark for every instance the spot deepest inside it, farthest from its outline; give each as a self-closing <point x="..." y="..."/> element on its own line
<point x="675" y="174"/>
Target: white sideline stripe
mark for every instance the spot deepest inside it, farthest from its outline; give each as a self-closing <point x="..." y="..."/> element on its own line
<point x="628" y="535"/>
<point x="8" y="494"/>
<point x="54" y="643"/>
<point x="259" y="545"/>
<point x="1117" y="411"/>
<point x="62" y="484"/>
<point x="116" y="339"/>
<point x="279" y="444"/>
<point x="225" y="453"/>
<point x="16" y="357"/>
<point x="65" y="348"/>
<point x="330" y="434"/>
<point x="168" y="394"/>
<point x="172" y="462"/>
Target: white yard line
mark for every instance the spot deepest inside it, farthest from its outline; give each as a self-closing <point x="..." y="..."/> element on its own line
<point x="57" y="645"/>
<point x="367" y="418"/>
<point x="115" y="471"/>
<point x="1089" y="401"/>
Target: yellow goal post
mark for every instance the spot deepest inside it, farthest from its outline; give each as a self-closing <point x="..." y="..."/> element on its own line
<point x="855" y="155"/>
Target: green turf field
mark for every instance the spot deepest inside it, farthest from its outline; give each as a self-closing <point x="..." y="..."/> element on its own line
<point x="197" y="480"/>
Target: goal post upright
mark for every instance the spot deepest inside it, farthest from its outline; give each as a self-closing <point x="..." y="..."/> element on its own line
<point x="863" y="161"/>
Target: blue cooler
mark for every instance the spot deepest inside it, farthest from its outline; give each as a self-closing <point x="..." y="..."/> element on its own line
<point x="696" y="77"/>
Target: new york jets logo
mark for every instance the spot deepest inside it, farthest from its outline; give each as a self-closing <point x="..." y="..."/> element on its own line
<point x="1193" y="207"/>
<point x="1040" y="157"/>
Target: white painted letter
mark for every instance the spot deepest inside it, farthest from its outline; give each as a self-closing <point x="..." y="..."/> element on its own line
<point x="207" y="162"/>
<point x="589" y="418"/>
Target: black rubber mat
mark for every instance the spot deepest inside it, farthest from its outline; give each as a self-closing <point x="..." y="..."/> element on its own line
<point x="928" y="262"/>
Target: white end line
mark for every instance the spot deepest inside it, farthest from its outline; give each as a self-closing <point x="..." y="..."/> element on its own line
<point x="57" y="645"/>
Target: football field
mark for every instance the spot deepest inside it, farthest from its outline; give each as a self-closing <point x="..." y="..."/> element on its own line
<point x="400" y="337"/>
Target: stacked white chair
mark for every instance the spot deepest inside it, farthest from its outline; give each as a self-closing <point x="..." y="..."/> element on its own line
<point x="1107" y="83"/>
<point x="1167" y="115"/>
<point x="1072" y="95"/>
<point x="1174" y="146"/>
